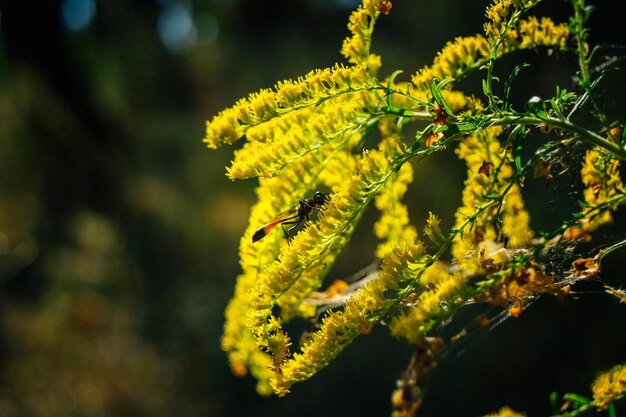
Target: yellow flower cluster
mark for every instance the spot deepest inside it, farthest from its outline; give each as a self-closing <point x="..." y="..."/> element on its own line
<point x="455" y="59"/>
<point x="503" y="20"/>
<point x="600" y="175"/>
<point x="441" y="288"/>
<point x="301" y="131"/>
<point x="304" y="130"/>
<point x="505" y="412"/>
<point x="273" y="195"/>
<point x="486" y="179"/>
<point x="232" y="123"/>
<point x="356" y="47"/>
<point x="601" y="178"/>
<point x="393" y="225"/>
<point x="497" y="15"/>
<point x="312" y="251"/>
<point x="534" y="32"/>
<point x="243" y="353"/>
<point x="466" y="54"/>
<point x="609" y="387"/>
<point x="361" y="312"/>
<point x="290" y="273"/>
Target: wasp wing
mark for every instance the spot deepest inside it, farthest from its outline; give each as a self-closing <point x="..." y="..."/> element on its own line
<point x="284" y="215"/>
<point x="262" y="231"/>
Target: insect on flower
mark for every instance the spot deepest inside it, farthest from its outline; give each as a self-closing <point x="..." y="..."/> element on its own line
<point x="293" y="216"/>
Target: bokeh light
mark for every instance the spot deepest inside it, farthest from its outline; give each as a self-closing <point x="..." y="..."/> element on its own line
<point x="77" y="14"/>
<point x="176" y="27"/>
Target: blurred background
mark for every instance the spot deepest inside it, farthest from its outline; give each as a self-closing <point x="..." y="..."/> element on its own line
<point x="119" y="229"/>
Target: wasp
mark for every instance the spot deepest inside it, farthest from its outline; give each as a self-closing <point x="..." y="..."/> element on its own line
<point x="293" y="216"/>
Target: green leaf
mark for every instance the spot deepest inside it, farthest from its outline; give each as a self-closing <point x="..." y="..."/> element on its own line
<point x="518" y="135"/>
<point x="486" y="90"/>
<point x="434" y="89"/>
<point x="575" y="398"/>
<point x="509" y="82"/>
<point x="390" y="82"/>
<point x="611" y="410"/>
<point x="553" y="403"/>
<point x="458" y="128"/>
<point x="396" y="111"/>
<point x="467" y="127"/>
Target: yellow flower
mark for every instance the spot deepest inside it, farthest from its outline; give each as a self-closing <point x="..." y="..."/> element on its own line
<point x="497" y="14"/>
<point x="466" y="54"/>
<point x="505" y="412"/>
<point x="532" y="32"/>
<point x="274" y="194"/>
<point x="455" y="58"/>
<point x="480" y="234"/>
<point x="600" y="176"/>
<point x="286" y="97"/>
<point x="239" y="343"/>
<point x="312" y="251"/>
<point x="356" y="47"/>
<point x="416" y="321"/>
<point x="609" y="387"/>
<point x="327" y="126"/>
<point x="339" y="328"/>
<point x="393" y="226"/>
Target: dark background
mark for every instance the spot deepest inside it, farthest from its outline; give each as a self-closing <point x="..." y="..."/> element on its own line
<point x="119" y="230"/>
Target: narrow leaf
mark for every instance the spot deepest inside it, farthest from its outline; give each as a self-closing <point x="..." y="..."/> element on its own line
<point x="509" y="82"/>
<point x="578" y="399"/>
<point x="434" y="89"/>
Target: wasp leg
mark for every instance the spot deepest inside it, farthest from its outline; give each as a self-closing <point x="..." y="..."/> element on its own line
<point x="289" y="220"/>
<point x="295" y="224"/>
<point x="309" y="205"/>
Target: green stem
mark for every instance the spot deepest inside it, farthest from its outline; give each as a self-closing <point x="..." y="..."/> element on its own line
<point x="613" y="201"/>
<point x="580" y="18"/>
<point x="580" y="43"/>
<point x="612" y="248"/>
<point x="566" y="125"/>
<point x="580" y="410"/>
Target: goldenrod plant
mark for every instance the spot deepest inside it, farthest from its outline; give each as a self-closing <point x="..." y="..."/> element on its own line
<point x="359" y="137"/>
